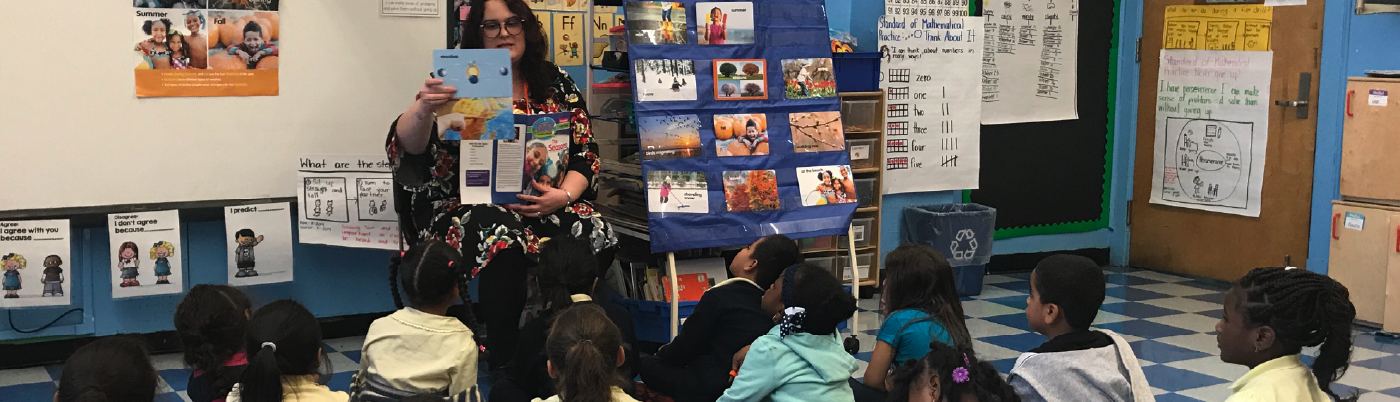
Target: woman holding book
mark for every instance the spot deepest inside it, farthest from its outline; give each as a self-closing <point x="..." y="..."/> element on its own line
<point x="498" y="241"/>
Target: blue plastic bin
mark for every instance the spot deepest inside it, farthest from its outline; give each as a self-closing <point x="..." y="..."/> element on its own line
<point x="857" y="72"/>
<point x="961" y="232"/>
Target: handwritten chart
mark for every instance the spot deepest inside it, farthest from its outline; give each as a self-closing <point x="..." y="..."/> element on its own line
<point x="927" y="8"/>
<point x="1212" y="130"/>
<point x="1030" y="61"/>
<point x="933" y="119"/>
<point x="348" y="201"/>
<point x="1227" y="27"/>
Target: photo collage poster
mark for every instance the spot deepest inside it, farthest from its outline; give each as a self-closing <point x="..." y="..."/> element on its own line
<point x="147" y="254"/>
<point x="34" y="260"/>
<point x="180" y="46"/>
<point x="743" y="137"/>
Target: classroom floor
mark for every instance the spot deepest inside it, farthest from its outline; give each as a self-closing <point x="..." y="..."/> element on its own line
<point x="1169" y="320"/>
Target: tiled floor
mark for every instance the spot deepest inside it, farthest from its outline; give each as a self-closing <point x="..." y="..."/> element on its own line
<point x="1169" y="321"/>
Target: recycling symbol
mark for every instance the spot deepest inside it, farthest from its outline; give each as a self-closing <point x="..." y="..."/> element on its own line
<point x="964" y="245"/>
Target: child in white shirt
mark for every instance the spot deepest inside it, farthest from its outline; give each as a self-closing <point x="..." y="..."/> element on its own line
<point x="420" y="349"/>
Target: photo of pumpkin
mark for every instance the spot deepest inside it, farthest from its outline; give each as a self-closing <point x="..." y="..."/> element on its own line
<point x="741" y="134"/>
<point x="271" y="18"/>
<point x="267" y="63"/>
<point x="226" y="33"/>
<point x="223" y="61"/>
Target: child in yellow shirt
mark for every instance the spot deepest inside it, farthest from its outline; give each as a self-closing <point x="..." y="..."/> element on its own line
<point x="1270" y="315"/>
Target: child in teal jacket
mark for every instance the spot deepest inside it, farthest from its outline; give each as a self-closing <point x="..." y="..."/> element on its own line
<point x="801" y="359"/>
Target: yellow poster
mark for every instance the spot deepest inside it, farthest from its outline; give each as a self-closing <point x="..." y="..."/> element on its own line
<point x="1228" y="27"/>
<point x="545" y="18"/>
<point x="568" y="39"/>
<point x="602" y="22"/>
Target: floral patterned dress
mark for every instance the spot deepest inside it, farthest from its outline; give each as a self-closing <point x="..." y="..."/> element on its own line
<point x="428" y="184"/>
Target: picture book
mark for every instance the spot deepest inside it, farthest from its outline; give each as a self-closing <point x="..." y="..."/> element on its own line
<point x="692" y="286"/>
<point x="536" y="151"/>
<point x="483" y="80"/>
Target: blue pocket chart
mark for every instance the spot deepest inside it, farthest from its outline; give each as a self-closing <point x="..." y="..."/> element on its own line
<point x="722" y="162"/>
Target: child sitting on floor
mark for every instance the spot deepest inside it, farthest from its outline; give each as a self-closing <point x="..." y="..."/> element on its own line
<point x="210" y="321"/>
<point x="585" y="350"/>
<point x="949" y="374"/>
<point x="1271" y="314"/>
<point x="420" y="349"/>
<point x="284" y="357"/>
<point x="1076" y="363"/>
<point x="921" y="307"/>
<point x="108" y="369"/>
<point x="802" y="359"/>
<point x="695" y="365"/>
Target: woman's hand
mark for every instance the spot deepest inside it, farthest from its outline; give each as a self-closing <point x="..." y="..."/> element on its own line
<point x="434" y="94"/>
<point x="550" y="200"/>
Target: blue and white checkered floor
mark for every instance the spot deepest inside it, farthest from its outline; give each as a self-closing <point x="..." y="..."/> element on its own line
<point x="1169" y="320"/>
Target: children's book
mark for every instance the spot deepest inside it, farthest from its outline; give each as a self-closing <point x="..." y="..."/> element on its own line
<point x="483" y="80"/>
<point x="537" y="151"/>
<point x="692" y="286"/>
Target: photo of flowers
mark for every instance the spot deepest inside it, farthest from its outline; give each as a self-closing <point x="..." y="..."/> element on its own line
<point x="740" y="79"/>
<point x="751" y="190"/>
<point x="817" y="132"/>
<point x="809" y="78"/>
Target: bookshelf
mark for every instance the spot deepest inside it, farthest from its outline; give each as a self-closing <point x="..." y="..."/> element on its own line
<point x="864" y="123"/>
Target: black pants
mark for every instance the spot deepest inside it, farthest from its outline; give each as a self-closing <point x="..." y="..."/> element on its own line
<point x="684" y="384"/>
<point x="502" y="293"/>
<point x="864" y="393"/>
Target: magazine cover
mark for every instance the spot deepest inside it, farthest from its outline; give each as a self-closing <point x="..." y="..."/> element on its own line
<point x="538" y="154"/>
<point x="483" y="81"/>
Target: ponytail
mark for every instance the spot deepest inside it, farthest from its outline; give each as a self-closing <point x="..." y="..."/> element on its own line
<point x="394" y="279"/>
<point x="567" y="267"/>
<point x="587" y="375"/>
<point x="582" y="347"/>
<point x="1304" y="309"/>
<point x="262" y="378"/>
<point x="283" y="340"/>
<point x="211" y="321"/>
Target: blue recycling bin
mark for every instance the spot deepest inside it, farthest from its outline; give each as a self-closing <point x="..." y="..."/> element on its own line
<point x="961" y="232"/>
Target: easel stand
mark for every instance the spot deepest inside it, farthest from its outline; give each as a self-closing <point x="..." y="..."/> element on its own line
<point x="676" y="296"/>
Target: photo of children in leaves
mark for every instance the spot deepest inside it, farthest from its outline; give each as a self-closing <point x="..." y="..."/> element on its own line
<point x="243" y="40"/>
<point x="825" y="185"/>
<point x="724" y="23"/>
<point x="751" y="190"/>
<point x="817" y="132"/>
<point x="656" y="22"/>
<point x="168" y="40"/>
<point x="665" y="80"/>
<point x="741" y="134"/>
<point x="809" y="78"/>
<point x="677" y="192"/>
<point x="670" y="137"/>
<point x="741" y="79"/>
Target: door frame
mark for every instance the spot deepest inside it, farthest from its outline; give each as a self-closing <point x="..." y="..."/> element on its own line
<point x="1125" y="129"/>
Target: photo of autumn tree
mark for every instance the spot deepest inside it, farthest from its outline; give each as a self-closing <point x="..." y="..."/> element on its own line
<point x="740" y="79"/>
<point x="751" y="190"/>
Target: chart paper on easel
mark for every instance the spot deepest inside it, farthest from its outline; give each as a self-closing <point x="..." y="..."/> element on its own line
<point x="932" y="116"/>
<point x="1212" y="130"/>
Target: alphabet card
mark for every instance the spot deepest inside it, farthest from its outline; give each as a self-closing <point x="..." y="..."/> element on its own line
<point x="146" y="254"/>
<point x="259" y="243"/>
<point x="34" y="262"/>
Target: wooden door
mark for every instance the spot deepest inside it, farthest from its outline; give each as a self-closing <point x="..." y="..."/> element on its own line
<point x="1362" y="245"/>
<point x="1223" y="246"/>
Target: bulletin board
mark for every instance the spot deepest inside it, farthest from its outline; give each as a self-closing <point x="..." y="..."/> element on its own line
<point x="1053" y="177"/>
<point x="76" y="136"/>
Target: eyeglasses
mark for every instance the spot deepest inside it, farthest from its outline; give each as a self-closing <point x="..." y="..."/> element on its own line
<point x="492" y="28"/>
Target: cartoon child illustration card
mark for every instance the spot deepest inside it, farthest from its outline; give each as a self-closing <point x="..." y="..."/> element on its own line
<point x="34" y="268"/>
<point x="259" y="243"/>
<point x="147" y="257"/>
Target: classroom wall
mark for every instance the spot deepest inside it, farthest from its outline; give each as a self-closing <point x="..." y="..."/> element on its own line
<point x="330" y="281"/>
<point x="1351" y="44"/>
<point x="1115" y="237"/>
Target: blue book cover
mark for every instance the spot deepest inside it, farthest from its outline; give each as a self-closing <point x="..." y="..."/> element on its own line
<point x="483" y="81"/>
<point x="538" y="154"/>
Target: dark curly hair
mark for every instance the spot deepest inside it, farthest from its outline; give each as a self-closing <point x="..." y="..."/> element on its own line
<point x="109" y="369"/>
<point x="210" y="322"/>
<point x="982" y="381"/>
<point x="535" y="67"/>
<point x="146" y="27"/>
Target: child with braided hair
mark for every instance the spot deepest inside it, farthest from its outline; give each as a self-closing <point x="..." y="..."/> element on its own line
<point x="949" y="374"/>
<point x="1270" y="315"/>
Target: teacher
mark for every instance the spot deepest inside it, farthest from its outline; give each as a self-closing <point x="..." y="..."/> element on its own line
<point x="498" y="241"/>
